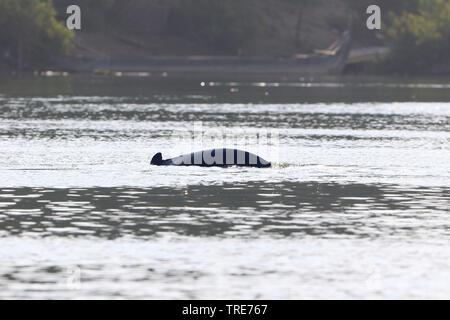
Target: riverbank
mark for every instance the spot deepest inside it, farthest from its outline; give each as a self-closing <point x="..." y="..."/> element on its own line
<point x="332" y="60"/>
<point x="321" y="62"/>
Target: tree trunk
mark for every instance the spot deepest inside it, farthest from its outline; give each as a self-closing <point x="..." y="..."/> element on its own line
<point x="20" y="55"/>
<point x="298" y="27"/>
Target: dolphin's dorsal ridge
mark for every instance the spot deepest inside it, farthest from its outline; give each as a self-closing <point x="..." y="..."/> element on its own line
<point x="157" y="159"/>
<point x="207" y="158"/>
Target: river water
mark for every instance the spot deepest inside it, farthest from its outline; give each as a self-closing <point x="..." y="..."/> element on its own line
<point x="356" y="204"/>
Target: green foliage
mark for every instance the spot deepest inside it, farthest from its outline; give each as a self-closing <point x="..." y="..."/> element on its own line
<point x="29" y="29"/>
<point x="358" y="8"/>
<point x="223" y="25"/>
<point x="421" y="39"/>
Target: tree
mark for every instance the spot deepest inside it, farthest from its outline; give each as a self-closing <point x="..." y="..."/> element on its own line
<point x="358" y="9"/>
<point x="222" y="25"/>
<point x="29" y="29"/>
<point x="302" y="7"/>
<point x="421" y="39"/>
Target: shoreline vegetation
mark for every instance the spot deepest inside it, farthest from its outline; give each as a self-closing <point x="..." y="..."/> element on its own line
<point x="256" y="36"/>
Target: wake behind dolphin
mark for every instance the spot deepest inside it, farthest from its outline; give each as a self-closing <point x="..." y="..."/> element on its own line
<point x="220" y="157"/>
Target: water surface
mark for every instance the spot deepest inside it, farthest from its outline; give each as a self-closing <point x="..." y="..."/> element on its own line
<point x="356" y="204"/>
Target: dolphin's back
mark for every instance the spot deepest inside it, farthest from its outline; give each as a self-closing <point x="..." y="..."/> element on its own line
<point x="220" y="157"/>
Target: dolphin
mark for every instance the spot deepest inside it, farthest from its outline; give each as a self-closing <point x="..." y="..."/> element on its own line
<point x="220" y="157"/>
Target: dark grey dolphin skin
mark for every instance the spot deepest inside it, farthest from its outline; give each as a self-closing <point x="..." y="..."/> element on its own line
<point x="220" y="157"/>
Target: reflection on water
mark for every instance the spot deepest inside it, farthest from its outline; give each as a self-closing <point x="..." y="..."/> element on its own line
<point x="243" y="209"/>
<point x="356" y="205"/>
<point x="377" y="116"/>
<point x="240" y="89"/>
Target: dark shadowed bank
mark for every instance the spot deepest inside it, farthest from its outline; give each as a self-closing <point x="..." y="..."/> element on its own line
<point x="292" y="36"/>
